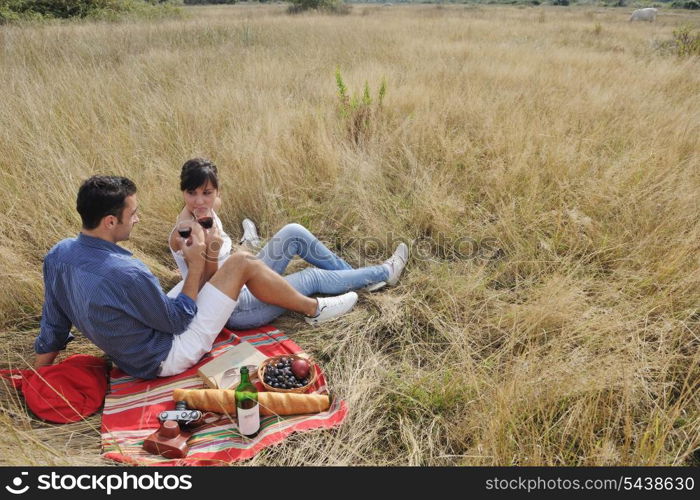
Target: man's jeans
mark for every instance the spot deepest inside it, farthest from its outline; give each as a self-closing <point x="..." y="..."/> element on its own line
<point x="331" y="276"/>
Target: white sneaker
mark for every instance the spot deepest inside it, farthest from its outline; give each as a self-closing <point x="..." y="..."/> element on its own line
<point x="375" y="286"/>
<point x="250" y="233"/>
<point x="332" y="307"/>
<point x="396" y="263"/>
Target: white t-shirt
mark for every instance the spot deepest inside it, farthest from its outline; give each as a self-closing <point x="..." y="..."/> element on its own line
<point x="226" y="247"/>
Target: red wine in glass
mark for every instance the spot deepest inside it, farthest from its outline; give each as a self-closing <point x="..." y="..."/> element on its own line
<point x="204" y="216"/>
<point x="206" y="222"/>
<point x="184" y="229"/>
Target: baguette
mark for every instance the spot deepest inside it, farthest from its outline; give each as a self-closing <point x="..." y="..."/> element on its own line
<point x="216" y="400"/>
<point x="278" y="403"/>
<point x="271" y="403"/>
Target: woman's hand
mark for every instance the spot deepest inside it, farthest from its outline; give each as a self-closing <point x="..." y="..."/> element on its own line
<point x="214" y="242"/>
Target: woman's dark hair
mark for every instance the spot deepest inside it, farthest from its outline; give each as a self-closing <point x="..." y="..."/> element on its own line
<point x="103" y="195"/>
<point x="196" y="172"/>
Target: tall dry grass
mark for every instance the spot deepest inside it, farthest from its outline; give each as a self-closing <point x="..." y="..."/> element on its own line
<point x="559" y="136"/>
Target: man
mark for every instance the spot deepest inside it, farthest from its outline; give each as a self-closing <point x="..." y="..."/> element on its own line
<point x="115" y="300"/>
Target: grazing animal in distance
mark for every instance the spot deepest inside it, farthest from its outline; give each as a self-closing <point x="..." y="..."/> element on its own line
<point x="648" y="14"/>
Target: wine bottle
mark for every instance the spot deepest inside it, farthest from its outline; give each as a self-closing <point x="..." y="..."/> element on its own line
<point x="247" y="407"/>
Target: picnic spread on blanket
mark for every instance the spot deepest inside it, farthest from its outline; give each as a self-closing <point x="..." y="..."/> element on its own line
<point x="185" y="420"/>
<point x="191" y="418"/>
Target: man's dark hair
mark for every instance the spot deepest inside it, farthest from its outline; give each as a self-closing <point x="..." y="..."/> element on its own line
<point x="103" y="195"/>
<point x="196" y="172"/>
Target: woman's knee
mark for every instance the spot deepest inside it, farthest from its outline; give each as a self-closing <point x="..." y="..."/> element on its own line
<point x="294" y="229"/>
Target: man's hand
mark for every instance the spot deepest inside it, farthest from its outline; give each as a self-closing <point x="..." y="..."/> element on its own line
<point x="45" y="359"/>
<point x="194" y="253"/>
<point x="176" y="241"/>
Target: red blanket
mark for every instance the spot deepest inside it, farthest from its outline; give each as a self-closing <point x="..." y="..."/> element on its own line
<point x="131" y="411"/>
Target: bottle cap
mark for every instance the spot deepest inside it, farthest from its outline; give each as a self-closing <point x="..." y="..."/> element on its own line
<point x="244" y="369"/>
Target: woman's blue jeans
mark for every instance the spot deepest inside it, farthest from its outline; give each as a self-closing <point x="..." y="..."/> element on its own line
<point x="331" y="276"/>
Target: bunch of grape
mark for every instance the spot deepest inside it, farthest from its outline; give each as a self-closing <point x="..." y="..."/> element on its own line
<point x="279" y="375"/>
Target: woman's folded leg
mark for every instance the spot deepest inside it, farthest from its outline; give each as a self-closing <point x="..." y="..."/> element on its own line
<point x="293" y="240"/>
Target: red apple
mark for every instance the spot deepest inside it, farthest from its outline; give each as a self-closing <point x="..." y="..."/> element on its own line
<point x="300" y="368"/>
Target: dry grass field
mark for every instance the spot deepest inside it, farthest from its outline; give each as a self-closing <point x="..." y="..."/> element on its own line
<point x="543" y="162"/>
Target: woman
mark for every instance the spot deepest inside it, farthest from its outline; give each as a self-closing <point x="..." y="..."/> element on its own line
<point x="332" y="275"/>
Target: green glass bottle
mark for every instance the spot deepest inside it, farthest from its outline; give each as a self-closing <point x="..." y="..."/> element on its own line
<point x="247" y="407"/>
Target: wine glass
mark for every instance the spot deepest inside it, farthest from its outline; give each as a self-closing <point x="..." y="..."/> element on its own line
<point x="205" y="217"/>
<point x="184" y="228"/>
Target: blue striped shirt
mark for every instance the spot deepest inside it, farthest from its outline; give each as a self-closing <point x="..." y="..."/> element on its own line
<point x="114" y="300"/>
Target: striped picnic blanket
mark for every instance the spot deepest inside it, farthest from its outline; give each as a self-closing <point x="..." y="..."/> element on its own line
<point x="132" y="407"/>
